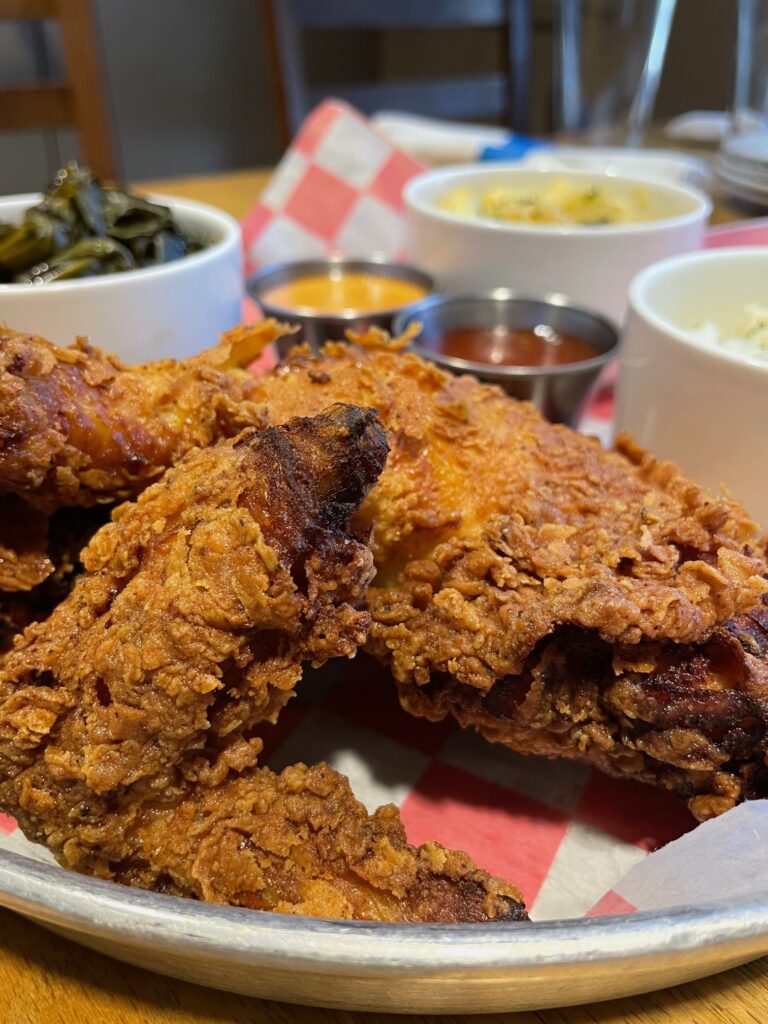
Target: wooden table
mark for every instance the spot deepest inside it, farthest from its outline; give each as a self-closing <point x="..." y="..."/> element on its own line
<point x="47" y="980"/>
<point x="236" y="192"/>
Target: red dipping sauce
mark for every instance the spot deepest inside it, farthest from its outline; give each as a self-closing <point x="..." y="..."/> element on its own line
<point x="510" y="346"/>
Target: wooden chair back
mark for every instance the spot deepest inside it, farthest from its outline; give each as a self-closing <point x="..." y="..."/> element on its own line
<point x="77" y="102"/>
<point x="504" y="96"/>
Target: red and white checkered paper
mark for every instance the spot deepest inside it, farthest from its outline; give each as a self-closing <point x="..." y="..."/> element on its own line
<point x="338" y="188"/>
<point x="575" y="841"/>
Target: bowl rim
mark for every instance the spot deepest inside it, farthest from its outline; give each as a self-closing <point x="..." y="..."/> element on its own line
<point x="407" y="270"/>
<point x="230" y="233"/>
<point x="503" y="372"/>
<point x="414" y="201"/>
<point x="641" y="307"/>
<point x="103" y="908"/>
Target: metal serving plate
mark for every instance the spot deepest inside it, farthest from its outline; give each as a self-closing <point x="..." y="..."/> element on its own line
<point x="395" y="968"/>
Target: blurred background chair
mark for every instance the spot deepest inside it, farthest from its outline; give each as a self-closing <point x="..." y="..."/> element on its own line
<point x="502" y="96"/>
<point x="80" y="100"/>
<point x="187" y="86"/>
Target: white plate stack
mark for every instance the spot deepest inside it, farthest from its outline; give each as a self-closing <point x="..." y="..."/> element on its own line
<point x="742" y="166"/>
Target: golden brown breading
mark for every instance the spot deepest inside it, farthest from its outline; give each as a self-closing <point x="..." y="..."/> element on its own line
<point x="691" y="717"/>
<point x="200" y="603"/>
<point x="126" y="717"/>
<point x="505" y="546"/>
<point x="488" y="517"/>
<point x="77" y="427"/>
<point x="300" y="843"/>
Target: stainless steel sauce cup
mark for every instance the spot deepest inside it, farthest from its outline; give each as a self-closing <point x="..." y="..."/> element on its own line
<point x="558" y="392"/>
<point x="317" y="328"/>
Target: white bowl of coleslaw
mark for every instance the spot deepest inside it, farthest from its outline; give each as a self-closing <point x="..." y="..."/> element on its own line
<point x="693" y="384"/>
<point x="582" y="234"/>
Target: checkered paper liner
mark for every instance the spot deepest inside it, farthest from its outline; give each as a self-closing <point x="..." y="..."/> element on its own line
<point x="337" y="189"/>
<point x="576" y="842"/>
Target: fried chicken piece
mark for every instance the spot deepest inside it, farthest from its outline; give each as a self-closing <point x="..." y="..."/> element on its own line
<point x="78" y="428"/>
<point x="300" y="843"/>
<point x="506" y="546"/>
<point x="562" y="599"/>
<point x="199" y="604"/>
<point x="126" y="717"/>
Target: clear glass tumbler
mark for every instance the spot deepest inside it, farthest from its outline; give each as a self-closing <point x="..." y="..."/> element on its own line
<point x="742" y="161"/>
<point x="608" y="60"/>
<point x="750" y="93"/>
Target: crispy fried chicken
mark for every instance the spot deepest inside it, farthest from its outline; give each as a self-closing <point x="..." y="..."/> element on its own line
<point x="562" y="599"/>
<point x="24" y="558"/>
<point x="300" y="843"/>
<point x="78" y="428"/>
<point x="126" y="717"/>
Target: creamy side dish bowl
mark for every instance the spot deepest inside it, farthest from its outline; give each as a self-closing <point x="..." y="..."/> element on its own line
<point x="590" y="263"/>
<point x="686" y="391"/>
<point x="748" y="337"/>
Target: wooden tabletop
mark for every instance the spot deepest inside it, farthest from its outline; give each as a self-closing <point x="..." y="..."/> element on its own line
<point x="237" y="191"/>
<point x="47" y="980"/>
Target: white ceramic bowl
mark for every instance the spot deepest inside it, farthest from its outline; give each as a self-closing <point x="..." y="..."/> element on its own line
<point x="702" y="406"/>
<point x="175" y="309"/>
<point x="592" y="266"/>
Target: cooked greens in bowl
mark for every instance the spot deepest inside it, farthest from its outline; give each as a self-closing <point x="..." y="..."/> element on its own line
<point x="83" y="228"/>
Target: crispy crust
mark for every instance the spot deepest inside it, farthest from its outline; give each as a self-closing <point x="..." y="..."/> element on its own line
<point x="693" y="719"/>
<point x="199" y="604"/>
<point x="126" y="717"/>
<point x="77" y="427"/>
<point x="300" y="843"/>
<point x="506" y="547"/>
<point x="24" y="557"/>
<point x="490" y="522"/>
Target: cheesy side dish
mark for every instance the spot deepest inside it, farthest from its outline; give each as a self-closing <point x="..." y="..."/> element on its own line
<point x="562" y="202"/>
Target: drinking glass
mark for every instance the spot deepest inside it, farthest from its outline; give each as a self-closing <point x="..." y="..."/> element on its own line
<point x="609" y="58"/>
<point x="742" y="160"/>
<point x="750" y="92"/>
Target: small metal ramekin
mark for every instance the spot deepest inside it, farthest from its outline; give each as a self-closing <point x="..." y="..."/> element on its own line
<point x="558" y="392"/>
<point x="317" y="328"/>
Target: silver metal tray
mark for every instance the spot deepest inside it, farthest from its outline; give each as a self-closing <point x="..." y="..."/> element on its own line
<point x="395" y="968"/>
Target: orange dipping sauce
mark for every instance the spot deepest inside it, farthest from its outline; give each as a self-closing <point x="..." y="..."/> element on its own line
<point x="344" y="292"/>
<point x="508" y="346"/>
